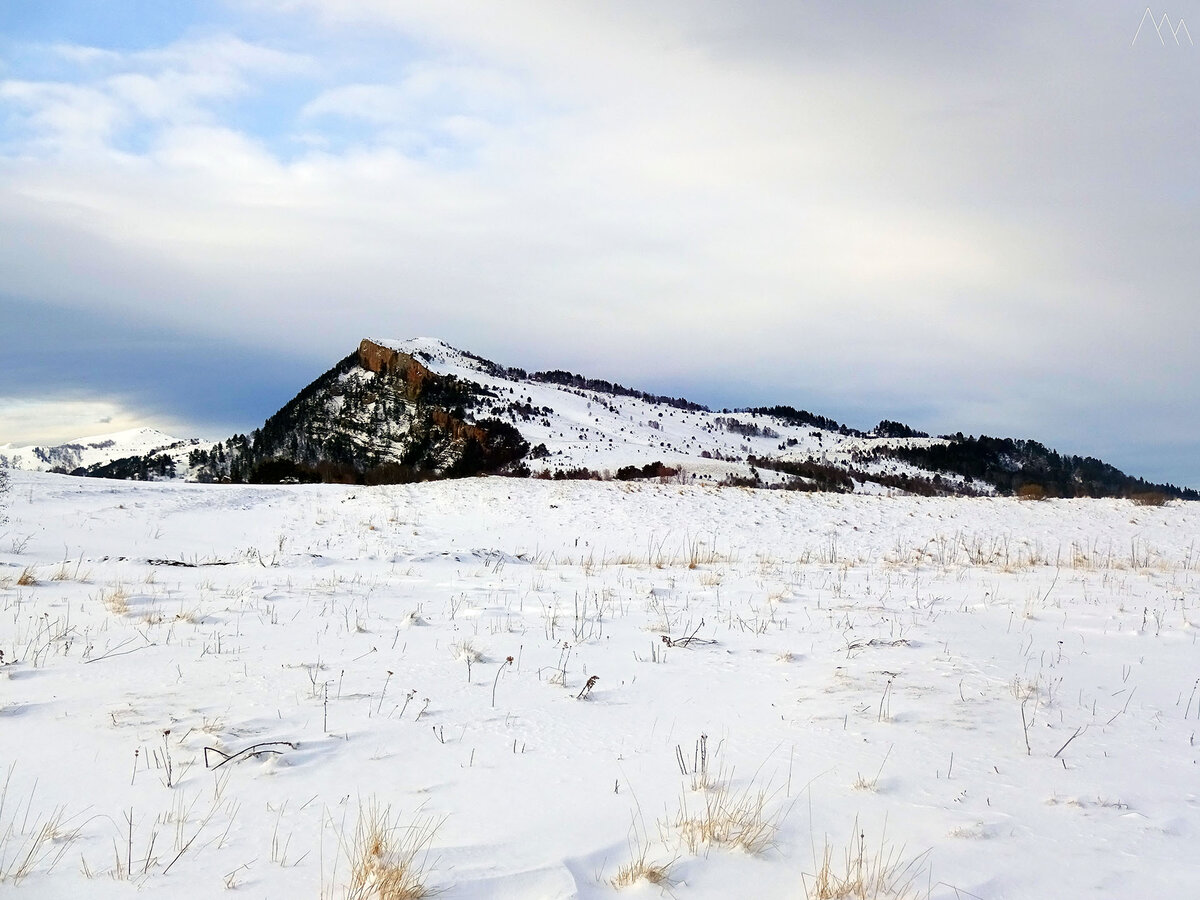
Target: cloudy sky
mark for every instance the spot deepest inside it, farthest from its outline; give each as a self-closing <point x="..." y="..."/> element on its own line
<point x="967" y="216"/>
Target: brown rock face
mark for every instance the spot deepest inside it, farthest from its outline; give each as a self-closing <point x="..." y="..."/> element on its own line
<point x="459" y="430"/>
<point x="384" y="360"/>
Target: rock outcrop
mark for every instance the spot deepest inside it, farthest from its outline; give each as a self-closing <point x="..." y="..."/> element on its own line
<point x="396" y="364"/>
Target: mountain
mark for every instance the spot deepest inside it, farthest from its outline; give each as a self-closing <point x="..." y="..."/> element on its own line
<point x="379" y="415"/>
<point x="107" y="455"/>
<point x="396" y="411"/>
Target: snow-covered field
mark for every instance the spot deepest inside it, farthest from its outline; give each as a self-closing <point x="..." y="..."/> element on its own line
<point x="207" y="688"/>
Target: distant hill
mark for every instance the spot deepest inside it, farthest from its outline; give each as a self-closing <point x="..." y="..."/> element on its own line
<point x="395" y="411"/>
<point x="136" y="453"/>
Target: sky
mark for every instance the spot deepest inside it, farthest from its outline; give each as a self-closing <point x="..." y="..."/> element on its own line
<point x="968" y="217"/>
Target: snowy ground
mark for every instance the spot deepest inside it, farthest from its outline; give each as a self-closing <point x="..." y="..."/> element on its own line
<point x="1002" y="695"/>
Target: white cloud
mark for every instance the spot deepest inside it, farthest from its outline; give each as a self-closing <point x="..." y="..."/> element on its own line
<point x="116" y="91"/>
<point x="841" y="202"/>
<point x="29" y="420"/>
<point x="62" y="115"/>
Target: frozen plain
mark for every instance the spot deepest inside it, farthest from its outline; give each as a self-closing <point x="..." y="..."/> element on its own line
<point x="1001" y="695"/>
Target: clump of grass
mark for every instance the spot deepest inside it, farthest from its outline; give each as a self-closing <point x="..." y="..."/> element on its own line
<point x="746" y="820"/>
<point x="387" y="860"/>
<point x="862" y="783"/>
<point x="859" y="874"/>
<point x="466" y="651"/>
<point x="640" y="868"/>
<point x="116" y="600"/>
<point x="28" y="577"/>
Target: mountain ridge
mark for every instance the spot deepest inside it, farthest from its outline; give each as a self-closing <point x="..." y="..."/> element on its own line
<point x="405" y="410"/>
<point x="79" y="455"/>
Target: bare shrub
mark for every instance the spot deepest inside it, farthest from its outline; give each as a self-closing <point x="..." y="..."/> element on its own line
<point x="3" y="493"/>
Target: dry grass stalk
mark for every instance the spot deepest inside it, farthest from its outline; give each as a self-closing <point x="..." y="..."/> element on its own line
<point x="29" y="842"/>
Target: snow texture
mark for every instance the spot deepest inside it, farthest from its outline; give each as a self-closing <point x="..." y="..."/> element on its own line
<point x="1002" y="693"/>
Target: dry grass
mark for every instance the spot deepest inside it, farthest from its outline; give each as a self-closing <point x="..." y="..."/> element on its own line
<point x="28" y="841"/>
<point x="744" y="820"/>
<point x="641" y="869"/>
<point x="640" y="866"/>
<point x="387" y="861"/>
<point x="43" y="845"/>
<point x="28" y="577"/>
<point x="858" y="874"/>
<point x="191" y="616"/>
<point x="1149" y="498"/>
<point x="862" y="783"/>
<point x="466" y="651"/>
<point x="116" y="600"/>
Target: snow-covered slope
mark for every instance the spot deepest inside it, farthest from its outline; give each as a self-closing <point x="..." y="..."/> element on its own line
<point x="97" y="450"/>
<point x="603" y="430"/>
